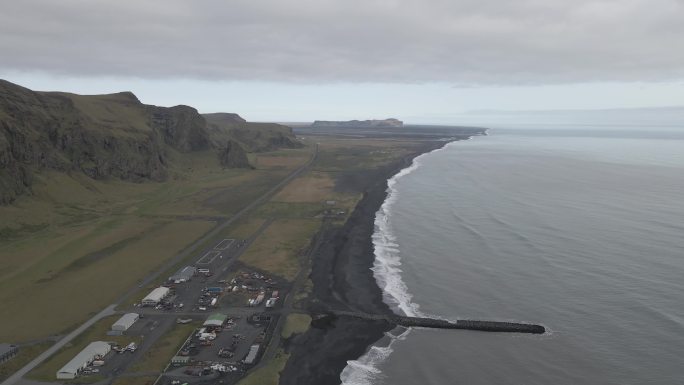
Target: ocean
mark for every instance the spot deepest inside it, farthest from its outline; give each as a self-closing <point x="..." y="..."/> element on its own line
<point x="577" y="228"/>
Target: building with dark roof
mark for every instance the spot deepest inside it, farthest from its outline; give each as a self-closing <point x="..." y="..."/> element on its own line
<point x="7" y="351"/>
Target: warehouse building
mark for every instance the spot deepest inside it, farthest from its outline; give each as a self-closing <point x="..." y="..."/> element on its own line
<point x="156" y="296"/>
<point x="125" y="322"/>
<point x="183" y="275"/>
<point x="71" y="370"/>
<point x="216" y="319"/>
<point x="7" y="351"/>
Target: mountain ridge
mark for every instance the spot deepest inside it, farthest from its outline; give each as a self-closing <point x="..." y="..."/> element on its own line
<point x="110" y="136"/>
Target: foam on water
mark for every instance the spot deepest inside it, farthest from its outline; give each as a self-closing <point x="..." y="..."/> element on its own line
<point x="387" y="272"/>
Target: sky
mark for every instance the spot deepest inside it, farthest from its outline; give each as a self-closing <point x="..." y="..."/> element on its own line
<point x="422" y="61"/>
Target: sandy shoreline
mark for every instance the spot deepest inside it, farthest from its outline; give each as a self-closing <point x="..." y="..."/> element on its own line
<point x="343" y="279"/>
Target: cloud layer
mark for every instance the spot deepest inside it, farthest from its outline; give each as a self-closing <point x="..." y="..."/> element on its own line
<point x="461" y="42"/>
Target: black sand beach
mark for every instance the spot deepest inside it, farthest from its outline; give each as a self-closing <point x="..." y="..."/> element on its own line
<point x="343" y="281"/>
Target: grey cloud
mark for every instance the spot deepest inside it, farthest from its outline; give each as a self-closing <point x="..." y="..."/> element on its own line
<point x="463" y="42"/>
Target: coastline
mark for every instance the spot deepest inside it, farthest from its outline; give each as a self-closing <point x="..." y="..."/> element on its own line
<point x="344" y="280"/>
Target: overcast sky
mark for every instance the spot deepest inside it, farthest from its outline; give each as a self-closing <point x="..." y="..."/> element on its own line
<point x="420" y="60"/>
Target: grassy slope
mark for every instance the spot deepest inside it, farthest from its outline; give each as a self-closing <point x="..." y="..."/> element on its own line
<point x="268" y="374"/>
<point x="77" y="233"/>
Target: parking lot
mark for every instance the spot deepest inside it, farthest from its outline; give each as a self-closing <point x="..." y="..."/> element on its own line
<point x="227" y="288"/>
<point x="220" y="285"/>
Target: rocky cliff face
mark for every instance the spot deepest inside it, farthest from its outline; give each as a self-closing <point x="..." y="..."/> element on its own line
<point x="183" y="127"/>
<point x="253" y="137"/>
<point x="110" y="136"/>
<point x="231" y="155"/>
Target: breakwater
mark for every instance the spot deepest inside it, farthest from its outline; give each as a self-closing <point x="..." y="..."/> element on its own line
<point x="435" y="323"/>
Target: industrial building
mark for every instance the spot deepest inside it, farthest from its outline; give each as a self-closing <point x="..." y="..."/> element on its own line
<point x="252" y="355"/>
<point x="215" y="320"/>
<point x="7" y="351"/>
<point x="125" y="322"/>
<point x="94" y="350"/>
<point x="156" y="296"/>
<point x="184" y="274"/>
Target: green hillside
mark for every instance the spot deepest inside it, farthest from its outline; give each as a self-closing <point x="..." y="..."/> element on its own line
<point x="113" y="136"/>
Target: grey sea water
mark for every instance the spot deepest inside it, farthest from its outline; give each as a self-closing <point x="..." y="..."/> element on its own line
<point x="577" y="228"/>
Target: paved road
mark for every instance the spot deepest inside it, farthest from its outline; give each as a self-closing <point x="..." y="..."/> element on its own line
<point x="192" y="248"/>
<point x="288" y="303"/>
<point x="109" y="310"/>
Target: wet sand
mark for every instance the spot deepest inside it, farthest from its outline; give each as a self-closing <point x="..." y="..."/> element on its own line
<point x="343" y="281"/>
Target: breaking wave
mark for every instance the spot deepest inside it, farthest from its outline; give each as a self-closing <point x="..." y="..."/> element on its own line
<point x="387" y="272"/>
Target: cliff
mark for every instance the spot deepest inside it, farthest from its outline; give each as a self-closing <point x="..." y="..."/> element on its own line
<point x="253" y="137"/>
<point x="231" y="155"/>
<point x="112" y="136"/>
<point x="359" y="123"/>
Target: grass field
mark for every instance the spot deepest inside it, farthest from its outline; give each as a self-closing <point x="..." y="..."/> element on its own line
<point x="80" y="277"/>
<point x="246" y="227"/>
<point x="268" y="374"/>
<point x="98" y="332"/>
<point x="77" y="244"/>
<point x="312" y="187"/>
<point x="26" y="354"/>
<point x="281" y="159"/>
<point x="295" y="323"/>
<point x="164" y="349"/>
<point x="278" y="248"/>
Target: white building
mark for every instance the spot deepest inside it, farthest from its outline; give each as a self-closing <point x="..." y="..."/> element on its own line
<point x="83" y="359"/>
<point x="183" y="275"/>
<point x="125" y="322"/>
<point x="156" y="296"/>
<point x="252" y="355"/>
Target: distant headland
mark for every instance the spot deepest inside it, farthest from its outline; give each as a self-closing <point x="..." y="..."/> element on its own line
<point x="359" y="123"/>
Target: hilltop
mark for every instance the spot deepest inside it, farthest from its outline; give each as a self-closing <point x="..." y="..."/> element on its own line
<point x="115" y="136"/>
<point x="253" y="137"/>
<point x="391" y="122"/>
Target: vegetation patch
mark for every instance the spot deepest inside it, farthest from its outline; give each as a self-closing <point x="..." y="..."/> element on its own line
<point x="312" y="187"/>
<point x="69" y="296"/>
<point x="296" y="323"/>
<point x="268" y="374"/>
<point x="159" y="355"/>
<point x="278" y="248"/>
<point x="26" y="354"/>
<point x="289" y="210"/>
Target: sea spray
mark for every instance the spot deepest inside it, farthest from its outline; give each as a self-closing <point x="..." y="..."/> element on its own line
<point x="387" y="272"/>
